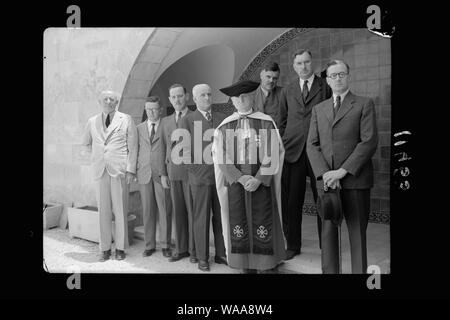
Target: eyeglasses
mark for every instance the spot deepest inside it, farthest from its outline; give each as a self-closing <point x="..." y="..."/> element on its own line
<point x="340" y="74"/>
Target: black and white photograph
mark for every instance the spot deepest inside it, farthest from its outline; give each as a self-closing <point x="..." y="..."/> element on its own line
<point x="217" y="150"/>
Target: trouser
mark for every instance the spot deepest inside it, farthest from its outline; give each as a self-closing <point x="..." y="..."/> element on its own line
<point x="156" y="203"/>
<point x="112" y="197"/>
<point x="182" y="213"/>
<point x="293" y="196"/>
<point x="356" y="208"/>
<point x="204" y="199"/>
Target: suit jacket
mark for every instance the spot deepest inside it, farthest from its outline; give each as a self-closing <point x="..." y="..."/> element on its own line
<point x="114" y="149"/>
<point x="269" y="105"/>
<point x="201" y="174"/>
<point x="173" y="171"/>
<point x="149" y="154"/>
<point x="349" y="141"/>
<point x="295" y="115"/>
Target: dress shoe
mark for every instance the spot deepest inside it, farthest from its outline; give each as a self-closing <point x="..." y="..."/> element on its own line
<point x="105" y="255"/>
<point x="167" y="252"/>
<point x="193" y="259"/>
<point x="148" y="252"/>
<point x="291" y="254"/>
<point x="120" y="254"/>
<point x="178" y="256"/>
<point x="203" y="265"/>
<point x="220" y="260"/>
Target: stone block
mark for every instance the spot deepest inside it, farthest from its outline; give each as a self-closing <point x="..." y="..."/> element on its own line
<point x="325" y="53"/>
<point x="347" y="37"/>
<point x="153" y="54"/>
<point x="385" y="153"/>
<point x="324" y="41"/>
<point x="385" y="205"/>
<point x="385" y="72"/>
<point x="144" y="71"/>
<point x="372" y="60"/>
<point x="136" y="89"/>
<point x="373" y="73"/>
<point x="163" y="38"/>
<point x="360" y="61"/>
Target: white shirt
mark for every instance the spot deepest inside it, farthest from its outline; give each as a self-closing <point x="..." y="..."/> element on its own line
<point x="183" y="113"/>
<point x="111" y="117"/>
<point x="310" y="81"/>
<point x="204" y="113"/>
<point x="149" y="124"/>
<point x="342" y="97"/>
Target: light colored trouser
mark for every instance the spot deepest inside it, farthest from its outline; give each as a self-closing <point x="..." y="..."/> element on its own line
<point x="156" y="202"/>
<point x="112" y="197"/>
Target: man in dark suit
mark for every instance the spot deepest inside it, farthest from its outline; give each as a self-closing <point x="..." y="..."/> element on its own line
<point x="201" y="124"/>
<point x="175" y="177"/>
<point x="342" y="140"/>
<point x="297" y="100"/>
<point x="267" y="96"/>
<point x="154" y="196"/>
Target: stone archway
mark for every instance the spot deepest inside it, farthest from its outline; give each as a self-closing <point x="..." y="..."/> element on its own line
<point x="142" y="75"/>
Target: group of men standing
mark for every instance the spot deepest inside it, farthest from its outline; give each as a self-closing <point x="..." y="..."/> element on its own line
<point x="313" y="127"/>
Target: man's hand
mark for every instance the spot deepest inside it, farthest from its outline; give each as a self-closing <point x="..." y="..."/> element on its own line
<point x="129" y="177"/>
<point x="252" y="184"/>
<point x="243" y="179"/>
<point x="165" y="182"/>
<point x="330" y="177"/>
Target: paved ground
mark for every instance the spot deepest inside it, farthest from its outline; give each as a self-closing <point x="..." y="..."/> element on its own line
<point x="61" y="252"/>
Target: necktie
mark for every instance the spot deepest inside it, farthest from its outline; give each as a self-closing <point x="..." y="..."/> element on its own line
<point x="108" y="121"/>
<point x="337" y="106"/>
<point x="152" y="133"/>
<point x="305" y="90"/>
<point x="178" y="117"/>
<point x="208" y="115"/>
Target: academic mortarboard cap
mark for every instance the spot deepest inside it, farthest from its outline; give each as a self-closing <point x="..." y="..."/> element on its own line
<point x="240" y="87"/>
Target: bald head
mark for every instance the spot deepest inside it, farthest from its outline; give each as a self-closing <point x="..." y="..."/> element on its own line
<point x="201" y="93"/>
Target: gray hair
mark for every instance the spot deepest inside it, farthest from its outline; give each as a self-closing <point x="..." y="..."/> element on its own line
<point x="197" y="87"/>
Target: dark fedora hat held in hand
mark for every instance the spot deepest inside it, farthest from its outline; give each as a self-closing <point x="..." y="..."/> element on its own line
<point x="329" y="206"/>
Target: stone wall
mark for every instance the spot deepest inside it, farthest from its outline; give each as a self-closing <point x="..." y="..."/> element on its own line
<point x="78" y="64"/>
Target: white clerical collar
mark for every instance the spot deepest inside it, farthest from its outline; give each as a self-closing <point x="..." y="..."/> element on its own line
<point x="246" y="113"/>
<point x="342" y="96"/>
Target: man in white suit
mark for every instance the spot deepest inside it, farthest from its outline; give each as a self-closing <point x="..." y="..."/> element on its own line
<point x="154" y="196"/>
<point x="112" y="136"/>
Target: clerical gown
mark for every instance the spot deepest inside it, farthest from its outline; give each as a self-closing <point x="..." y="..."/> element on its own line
<point x="251" y="221"/>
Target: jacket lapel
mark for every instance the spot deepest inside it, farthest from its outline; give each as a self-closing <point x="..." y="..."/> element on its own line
<point x="259" y="101"/>
<point x="99" y="126"/>
<point x="329" y="110"/>
<point x="145" y="133"/>
<point x="315" y="88"/>
<point x="117" y="120"/>
<point x="157" y="133"/>
<point x="297" y="92"/>
<point x="347" y="104"/>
